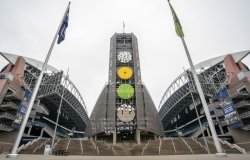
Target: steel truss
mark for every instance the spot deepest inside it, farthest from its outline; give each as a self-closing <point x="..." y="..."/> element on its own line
<point x="50" y="92"/>
<point x="177" y="96"/>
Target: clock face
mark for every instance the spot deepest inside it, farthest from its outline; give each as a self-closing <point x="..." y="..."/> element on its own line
<point x="126" y="113"/>
<point x="125" y="72"/>
<point x="125" y="91"/>
<point x="124" y="56"/>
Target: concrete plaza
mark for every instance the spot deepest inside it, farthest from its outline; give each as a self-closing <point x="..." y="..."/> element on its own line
<point x="168" y="157"/>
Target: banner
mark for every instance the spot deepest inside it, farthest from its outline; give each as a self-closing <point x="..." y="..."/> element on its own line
<point x="22" y="109"/>
<point x="230" y="113"/>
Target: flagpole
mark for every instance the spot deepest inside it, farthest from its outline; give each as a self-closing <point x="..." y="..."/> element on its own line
<point x="59" y="112"/>
<point x="123" y="27"/>
<point x="204" y="103"/>
<point x="179" y="32"/>
<point x="197" y="114"/>
<point x="13" y="152"/>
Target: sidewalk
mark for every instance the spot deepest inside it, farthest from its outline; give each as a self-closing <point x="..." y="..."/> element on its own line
<point x="169" y="157"/>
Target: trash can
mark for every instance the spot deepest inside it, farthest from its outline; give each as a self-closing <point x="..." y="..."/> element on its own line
<point x="47" y="149"/>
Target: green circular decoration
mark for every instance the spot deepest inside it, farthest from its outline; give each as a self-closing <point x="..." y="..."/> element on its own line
<point x="125" y="91"/>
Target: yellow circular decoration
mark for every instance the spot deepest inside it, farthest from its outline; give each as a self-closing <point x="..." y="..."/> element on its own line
<point x="125" y="72"/>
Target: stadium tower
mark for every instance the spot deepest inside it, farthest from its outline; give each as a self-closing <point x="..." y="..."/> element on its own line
<point x="124" y="110"/>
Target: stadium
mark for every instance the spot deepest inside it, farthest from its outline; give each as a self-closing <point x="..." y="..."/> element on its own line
<point x="17" y="81"/>
<point x="225" y="83"/>
<point x="124" y="121"/>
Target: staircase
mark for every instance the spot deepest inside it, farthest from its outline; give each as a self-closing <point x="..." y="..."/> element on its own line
<point x="104" y="149"/>
<point x="152" y="147"/>
<point x="181" y="147"/>
<point x="74" y="147"/>
<point x="195" y="147"/>
<point x="128" y="149"/>
<point x="167" y="147"/>
<point x="35" y="148"/>
<point x="88" y="148"/>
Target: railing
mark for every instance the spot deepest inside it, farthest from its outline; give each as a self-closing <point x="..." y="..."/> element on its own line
<point x="7" y="115"/>
<point x="244" y="102"/>
<point x="68" y="144"/>
<point x="13" y="94"/>
<point x="145" y="147"/>
<point x="114" y="151"/>
<point x="246" y="127"/>
<point x="160" y="146"/>
<point x="81" y="145"/>
<point x="242" y="150"/>
<point x="199" y="143"/>
<point x="93" y="143"/>
<point x="38" y="147"/>
<point x="245" y="115"/>
<point x="173" y="145"/>
<point x="49" y="130"/>
<point x="24" y="146"/>
<point x="235" y="94"/>
<point x="43" y="107"/>
<point x="5" y="127"/>
<point x="187" y="145"/>
<point x="9" y="104"/>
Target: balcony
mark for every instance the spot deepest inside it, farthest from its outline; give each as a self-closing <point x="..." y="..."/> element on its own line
<point x="6" y="115"/>
<point x="9" y="106"/>
<point x="240" y="94"/>
<point x="243" y="104"/>
<point x="4" y="127"/>
<point x="12" y="96"/>
<point x="41" y="108"/>
<point x="247" y="127"/>
<point x="245" y="115"/>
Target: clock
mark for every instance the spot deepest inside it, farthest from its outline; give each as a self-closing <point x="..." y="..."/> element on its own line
<point x="125" y="91"/>
<point x="126" y="113"/>
<point x="125" y="72"/>
<point x="124" y="56"/>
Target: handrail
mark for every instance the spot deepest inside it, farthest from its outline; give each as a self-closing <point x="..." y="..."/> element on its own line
<point x="5" y="127"/>
<point x="173" y="145"/>
<point x="24" y="146"/>
<point x="81" y="145"/>
<point x="10" y="104"/>
<point x="245" y="114"/>
<point x="187" y="145"/>
<point x="145" y="147"/>
<point x="240" y="149"/>
<point x="93" y="143"/>
<point x="160" y="146"/>
<point x="7" y="115"/>
<point x="68" y="144"/>
<point x="113" y="150"/>
<point x="237" y="105"/>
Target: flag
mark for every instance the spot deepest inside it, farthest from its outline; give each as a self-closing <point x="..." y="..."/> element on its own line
<point x="62" y="31"/>
<point x="177" y="23"/>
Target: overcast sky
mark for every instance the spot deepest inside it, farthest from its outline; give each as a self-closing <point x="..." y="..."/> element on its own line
<point x="212" y="28"/>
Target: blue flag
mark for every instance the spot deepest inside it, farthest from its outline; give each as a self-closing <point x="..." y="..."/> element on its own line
<point x="62" y="31"/>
